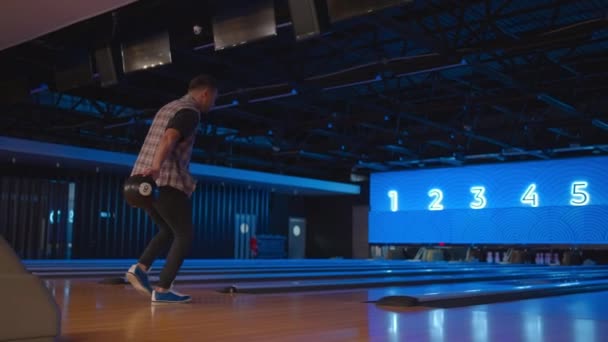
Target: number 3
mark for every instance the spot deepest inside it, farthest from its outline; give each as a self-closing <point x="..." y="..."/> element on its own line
<point x="480" y="200"/>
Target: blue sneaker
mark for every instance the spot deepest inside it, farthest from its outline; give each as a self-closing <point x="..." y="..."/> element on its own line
<point x="139" y="279"/>
<point x="171" y="296"/>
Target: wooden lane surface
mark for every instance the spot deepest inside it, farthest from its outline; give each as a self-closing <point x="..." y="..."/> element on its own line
<point x="96" y="312"/>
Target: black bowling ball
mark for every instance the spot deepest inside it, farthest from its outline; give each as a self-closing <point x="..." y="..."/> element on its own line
<point x="140" y="191"/>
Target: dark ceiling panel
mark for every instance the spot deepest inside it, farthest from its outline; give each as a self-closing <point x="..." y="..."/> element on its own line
<point x="408" y="85"/>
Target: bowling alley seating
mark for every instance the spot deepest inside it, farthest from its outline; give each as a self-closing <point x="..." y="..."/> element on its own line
<point x="430" y="254"/>
<point x="28" y="311"/>
<point x="395" y="253"/>
<point x="517" y="257"/>
<point x="570" y="258"/>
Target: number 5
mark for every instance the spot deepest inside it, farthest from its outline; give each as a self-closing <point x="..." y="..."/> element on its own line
<point x="579" y="196"/>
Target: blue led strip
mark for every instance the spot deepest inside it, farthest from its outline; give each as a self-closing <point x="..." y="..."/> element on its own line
<point x="233" y="175"/>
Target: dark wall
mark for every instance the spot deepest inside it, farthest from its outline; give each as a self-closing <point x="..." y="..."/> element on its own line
<point x="31" y="217"/>
<point x="328" y="227"/>
<point x="330" y="224"/>
<point x="126" y="231"/>
<point x="102" y="224"/>
<point x="282" y="206"/>
<point x="35" y="217"/>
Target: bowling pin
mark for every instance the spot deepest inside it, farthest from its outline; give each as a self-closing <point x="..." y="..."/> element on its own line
<point x="489" y="259"/>
<point x="541" y="259"/>
<point x="497" y="257"/>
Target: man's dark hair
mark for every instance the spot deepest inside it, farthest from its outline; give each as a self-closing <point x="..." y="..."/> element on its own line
<point x="201" y="82"/>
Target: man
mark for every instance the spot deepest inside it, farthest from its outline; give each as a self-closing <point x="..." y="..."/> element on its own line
<point x="165" y="156"/>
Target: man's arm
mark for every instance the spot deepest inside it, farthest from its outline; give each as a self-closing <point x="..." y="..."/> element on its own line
<point x="166" y="145"/>
<point x="181" y="126"/>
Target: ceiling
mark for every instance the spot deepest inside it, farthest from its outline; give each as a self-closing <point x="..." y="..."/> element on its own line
<point x="43" y="17"/>
<point x="425" y="84"/>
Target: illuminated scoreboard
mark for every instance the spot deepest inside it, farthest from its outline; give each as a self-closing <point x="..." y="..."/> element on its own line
<point x="556" y="201"/>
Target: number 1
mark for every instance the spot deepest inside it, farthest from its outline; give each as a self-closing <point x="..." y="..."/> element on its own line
<point x="394" y="196"/>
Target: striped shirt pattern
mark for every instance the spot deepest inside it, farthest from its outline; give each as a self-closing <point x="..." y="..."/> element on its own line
<point x="175" y="170"/>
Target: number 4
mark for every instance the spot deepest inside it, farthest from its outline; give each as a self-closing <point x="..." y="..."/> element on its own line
<point x="530" y="196"/>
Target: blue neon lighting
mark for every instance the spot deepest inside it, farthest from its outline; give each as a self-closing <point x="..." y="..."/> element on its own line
<point x="580" y="195"/>
<point x="479" y="199"/>
<point x="554" y="201"/>
<point x="233" y="175"/>
<point x="437" y="196"/>
<point x="530" y="197"/>
<point x="394" y="196"/>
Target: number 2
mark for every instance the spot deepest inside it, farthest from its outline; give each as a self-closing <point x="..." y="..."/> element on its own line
<point x="437" y="198"/>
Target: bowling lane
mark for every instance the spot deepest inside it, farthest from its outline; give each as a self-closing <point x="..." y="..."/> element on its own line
<point x="231" y="264"/>
<point x="227" y="266"/>
<point x="270" y="273"/>
<point x="470" y="294"/>
<point x="103" y="268"/>
<point x="577" y="317"/>
<point x="320" y="285"/>
<point x="321" y="316"/>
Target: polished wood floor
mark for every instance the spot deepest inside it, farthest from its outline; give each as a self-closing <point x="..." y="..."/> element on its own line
<point x="98" y="312"/>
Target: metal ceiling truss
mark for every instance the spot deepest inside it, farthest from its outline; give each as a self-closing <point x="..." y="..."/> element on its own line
<point x="430" y="84"/>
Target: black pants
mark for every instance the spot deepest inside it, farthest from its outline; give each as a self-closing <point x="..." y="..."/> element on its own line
<point x="172" y="212"/>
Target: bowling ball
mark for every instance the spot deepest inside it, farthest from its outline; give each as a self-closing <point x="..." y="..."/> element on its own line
<point x="140" y="191"/>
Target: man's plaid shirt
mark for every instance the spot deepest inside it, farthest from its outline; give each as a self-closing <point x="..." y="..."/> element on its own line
<point x="175" y="170"/>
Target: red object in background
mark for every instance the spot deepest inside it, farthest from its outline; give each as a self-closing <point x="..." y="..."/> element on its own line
<point x="253" y="246"/>
<point x="442" y="244"/>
